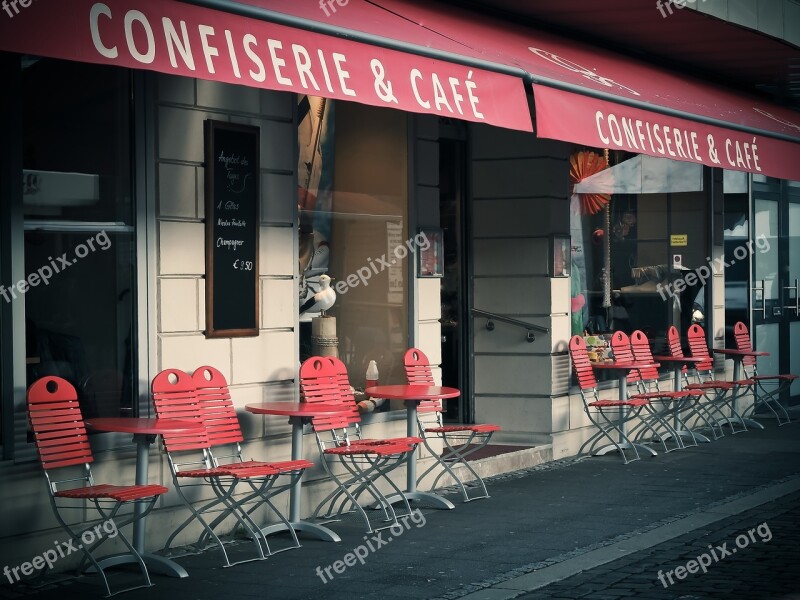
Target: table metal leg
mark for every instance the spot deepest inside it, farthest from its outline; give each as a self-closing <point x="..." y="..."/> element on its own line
<point x="678" y="425"/>
<point x="411" y="492"/>
<point x="142" y="467"/>
<point x="623" y="395"/>
<point x="623" y="445"/>
<point x="737" y="376"/>
<point x="315" y="530"/>
<point x="154" y="562"/>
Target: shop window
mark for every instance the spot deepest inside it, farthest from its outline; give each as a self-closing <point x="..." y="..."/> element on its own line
<point x="79" y="238"/>
<point x="640" y="249"/>
<point x="353" y="206"/>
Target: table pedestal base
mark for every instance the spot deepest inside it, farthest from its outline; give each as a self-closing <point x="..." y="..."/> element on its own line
<point x="318" y="531"/>
<point x="625" y="446"/>
<point x="154" y="563"/>
<point x="748" y="423"/>
<point x="690" y="435"/>
<point x="434" y="499"/>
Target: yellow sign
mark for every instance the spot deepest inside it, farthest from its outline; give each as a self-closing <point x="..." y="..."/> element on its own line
<point x="679" y="240"/>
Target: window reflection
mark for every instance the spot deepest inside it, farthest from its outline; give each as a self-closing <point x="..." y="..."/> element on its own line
<point x="639" y="260"/>
<point x="353" y="202"/>
<point x="79" y="243"/>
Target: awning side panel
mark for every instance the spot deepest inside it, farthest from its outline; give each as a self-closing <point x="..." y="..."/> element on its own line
<point x="598" y="123"/>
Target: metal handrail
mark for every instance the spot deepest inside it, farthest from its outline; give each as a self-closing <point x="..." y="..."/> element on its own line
<point x="492" y="317"/>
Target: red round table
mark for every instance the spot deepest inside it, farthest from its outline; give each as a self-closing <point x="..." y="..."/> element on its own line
<point x="623" y="368"/>
<point x="412" y="395"/>
<point x="144" y="434"/>
<point x="738" y="356"/>
<point x="299" y="413"/>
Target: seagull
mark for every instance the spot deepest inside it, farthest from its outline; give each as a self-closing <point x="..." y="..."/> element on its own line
<point x="323" y="299"/>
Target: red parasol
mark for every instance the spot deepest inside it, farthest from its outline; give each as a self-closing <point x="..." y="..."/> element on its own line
<point x="582" y="165"/>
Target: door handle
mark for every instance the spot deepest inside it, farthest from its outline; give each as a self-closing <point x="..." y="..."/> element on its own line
<point x="796" y="306"/>
<point x="763" y="308"/>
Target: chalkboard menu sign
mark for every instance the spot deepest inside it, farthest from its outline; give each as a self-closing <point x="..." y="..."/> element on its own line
<point x="232" y="226"/>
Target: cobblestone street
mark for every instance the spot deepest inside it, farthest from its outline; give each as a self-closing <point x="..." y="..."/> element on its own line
<point x="766" y="568"/>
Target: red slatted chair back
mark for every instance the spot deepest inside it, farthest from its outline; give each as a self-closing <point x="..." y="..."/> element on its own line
<point x="346" y="398"/>
<point x="581" y="365"/>
<point x="175" y="397"/>
<point x="642" y="353"/>
<point x="418" y="372"/>
<point x="623" y="352"/>
<point x="674" y="344"/>
<point x="57" y="423"/>
<point x="321" y="381"/>
<point x="698" y="347"/>
<point x="219" y="414"/>
<point x="742" y="337"/>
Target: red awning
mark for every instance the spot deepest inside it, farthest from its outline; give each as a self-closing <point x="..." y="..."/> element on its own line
<point x="195" y="41"/>
<point x="427" y="58"/>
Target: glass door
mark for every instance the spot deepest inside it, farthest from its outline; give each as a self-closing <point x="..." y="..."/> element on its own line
<point x="776" y="271"/>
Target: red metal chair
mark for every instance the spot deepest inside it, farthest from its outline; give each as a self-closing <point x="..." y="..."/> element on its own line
<point x="194" y="467"/>
<point x="61" y="442"/>
<point x="646" y="386"/>
<point x="608" y="416"/>
<point x="351" y="412"/>
<point x="725" y="393"/>
<point x="365" y="462"/>
<point x="225" y="434"/>
<point x="700" y="411"/>
<point x="680" y="401"/>
<point x="763" y="396"/>
<point x="459" y="441"/>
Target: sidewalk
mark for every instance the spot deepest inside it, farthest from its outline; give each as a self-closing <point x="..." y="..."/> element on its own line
<point x="540" y="527"/>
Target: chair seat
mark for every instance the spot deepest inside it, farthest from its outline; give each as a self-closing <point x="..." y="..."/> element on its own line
<point x="283" y="466"/>
<point x="711" y="385"/>
<point x="246" y="471"/>
<point x="363" y="449"/>
<point x="287" y="466"/>
<point x="404" y="441"/>
<point x="782" y="377"/>
<point x="612" y="403"/>
<point x="202" y="473"/>
<point x="665" y="395"/>
<point x="482" y="428"/>
<point x="228" y="471"/>
<point x="120" y="493"/>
